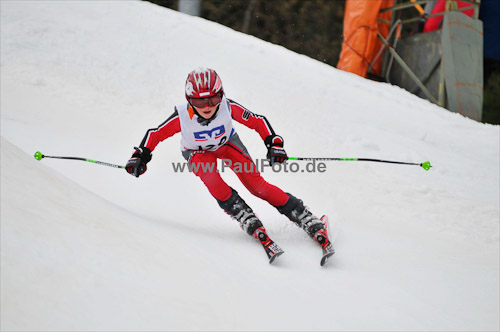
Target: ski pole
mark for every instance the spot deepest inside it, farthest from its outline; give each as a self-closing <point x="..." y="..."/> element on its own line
<point x="425" y="165"/>
<point x="40" y="156"/>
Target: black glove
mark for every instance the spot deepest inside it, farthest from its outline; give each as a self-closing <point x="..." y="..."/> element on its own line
<point x="275" y="151"/>
<point x="137" y="164"/>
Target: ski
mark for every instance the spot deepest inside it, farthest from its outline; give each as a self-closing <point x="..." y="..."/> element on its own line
<point x="324" y="241"/>
<point x="271" y="248"/>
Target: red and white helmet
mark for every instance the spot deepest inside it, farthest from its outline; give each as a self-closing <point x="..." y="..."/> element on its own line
<point x="203" y="83"/>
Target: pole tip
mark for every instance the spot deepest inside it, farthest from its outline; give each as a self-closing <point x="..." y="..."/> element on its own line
<point x="38" y="155"/>
<point x="426" y="165"/>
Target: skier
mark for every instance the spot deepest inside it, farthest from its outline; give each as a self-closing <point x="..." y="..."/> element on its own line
<point x="207" y="134"/>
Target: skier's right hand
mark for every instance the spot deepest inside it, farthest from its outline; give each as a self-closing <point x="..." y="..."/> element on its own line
<point x="137" y="164"/>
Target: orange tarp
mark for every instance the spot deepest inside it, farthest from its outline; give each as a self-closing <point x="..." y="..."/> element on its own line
<point x="361" y="45"/>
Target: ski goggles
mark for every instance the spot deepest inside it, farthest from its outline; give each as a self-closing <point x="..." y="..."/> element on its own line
<point x="203" y="102"/>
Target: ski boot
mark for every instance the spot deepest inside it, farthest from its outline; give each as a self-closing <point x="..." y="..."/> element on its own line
<point x="238" y="209"/>
<point x="316" y="228"/>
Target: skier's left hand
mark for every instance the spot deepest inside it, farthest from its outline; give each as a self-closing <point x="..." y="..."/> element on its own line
<point x="275" y="151"/>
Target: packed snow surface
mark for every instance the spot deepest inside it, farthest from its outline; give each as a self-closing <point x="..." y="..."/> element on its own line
<point x="89" y="247"/>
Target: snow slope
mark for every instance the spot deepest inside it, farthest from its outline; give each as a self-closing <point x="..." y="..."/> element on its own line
<point x="87" y="247"/>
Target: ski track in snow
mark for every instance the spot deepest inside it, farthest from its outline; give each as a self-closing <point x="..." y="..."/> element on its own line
<point x="87" y="247"/>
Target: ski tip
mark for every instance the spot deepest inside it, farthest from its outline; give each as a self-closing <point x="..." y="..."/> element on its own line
<point x="271" y="260"/>
<point x="325" y="258"/>
<point x="324" y="219"/>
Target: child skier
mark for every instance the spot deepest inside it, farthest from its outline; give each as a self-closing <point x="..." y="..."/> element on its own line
<point x="207" y="134"/>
